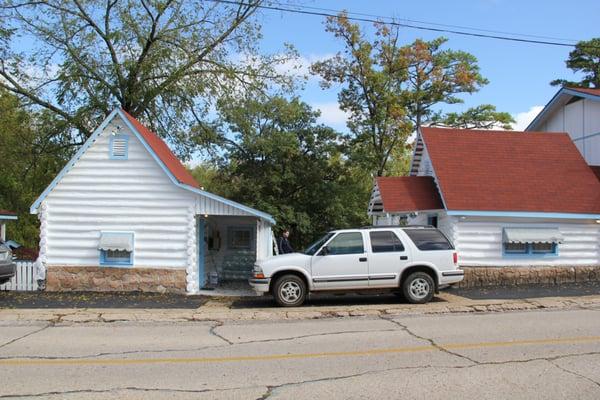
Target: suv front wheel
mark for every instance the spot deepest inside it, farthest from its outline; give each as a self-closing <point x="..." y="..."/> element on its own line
<point x="289" y="291"/>
<point x="418" y="288"/>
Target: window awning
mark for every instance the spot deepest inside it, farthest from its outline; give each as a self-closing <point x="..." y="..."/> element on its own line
<point x="532" y="235"/>
<point x="116" y="241"/>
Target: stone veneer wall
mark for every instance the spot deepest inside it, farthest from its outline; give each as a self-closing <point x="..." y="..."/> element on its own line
<point x="106" y="279"/>
<point x="514" y="276"/>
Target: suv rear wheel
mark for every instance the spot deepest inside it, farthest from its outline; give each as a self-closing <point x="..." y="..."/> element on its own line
<point x="289" y="291"/>
<point x="418" y="288"/>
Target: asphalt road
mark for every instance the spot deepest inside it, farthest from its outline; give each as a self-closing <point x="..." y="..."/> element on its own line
<point x="520" y="355"/>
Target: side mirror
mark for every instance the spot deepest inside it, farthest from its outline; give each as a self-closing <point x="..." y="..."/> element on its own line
<point x="324" y="251"/>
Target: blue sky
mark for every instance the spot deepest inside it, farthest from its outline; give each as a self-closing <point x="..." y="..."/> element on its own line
<point x="519" y="74"/>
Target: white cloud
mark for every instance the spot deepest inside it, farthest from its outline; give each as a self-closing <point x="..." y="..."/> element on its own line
<point x="523" y="119"/>
<point x="300" y="66"/>
<point x="331" y="114"/>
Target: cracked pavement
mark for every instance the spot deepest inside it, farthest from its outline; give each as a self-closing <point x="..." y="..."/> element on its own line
<point x="535" y="354"/>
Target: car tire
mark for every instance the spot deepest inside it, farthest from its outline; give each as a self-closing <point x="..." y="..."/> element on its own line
<point x="289" y="291"/>
<point x="418" y="288"/>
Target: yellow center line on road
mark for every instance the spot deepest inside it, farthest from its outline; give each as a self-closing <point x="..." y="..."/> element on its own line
<point x="270" y="357"/>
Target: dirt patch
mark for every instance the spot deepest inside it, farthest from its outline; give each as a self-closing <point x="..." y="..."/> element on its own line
<point x="98" y="300"/>
<point x="528" y="291"/>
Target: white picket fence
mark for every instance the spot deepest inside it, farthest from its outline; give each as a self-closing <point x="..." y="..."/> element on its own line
<point x="23" y="279"/>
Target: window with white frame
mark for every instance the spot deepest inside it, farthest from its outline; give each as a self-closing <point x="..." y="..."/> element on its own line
<point x="116" y="248"/>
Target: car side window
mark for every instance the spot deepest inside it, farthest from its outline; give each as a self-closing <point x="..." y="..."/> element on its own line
<point x="346" y="243"/>
<point x="428" y="239"/>
<point x="385" y="242"/>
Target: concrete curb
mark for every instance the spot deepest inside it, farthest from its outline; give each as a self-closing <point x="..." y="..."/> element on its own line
<point x="219" y="309"/>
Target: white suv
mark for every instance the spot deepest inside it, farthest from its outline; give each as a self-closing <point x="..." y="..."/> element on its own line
<point x="414" y="261"/>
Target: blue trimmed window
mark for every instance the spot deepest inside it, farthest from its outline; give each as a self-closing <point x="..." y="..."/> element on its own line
<point x="116" y="257"/>
<point x="116" y="248"/>
<point x="516" y="248"/>
<point x="119" y="147"/>
<point x="530" y="249"/>
<point x="520" y="241"/>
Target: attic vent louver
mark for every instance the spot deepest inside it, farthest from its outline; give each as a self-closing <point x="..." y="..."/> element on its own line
<point x="118" y="147"/>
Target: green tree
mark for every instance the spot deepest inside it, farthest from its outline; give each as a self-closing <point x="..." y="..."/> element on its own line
<point x="484" y="116"/>
<point x="370" y="75"/>
<point x="164" y="61"/>
<point x="31" y="153"/>
<point x="585" y="59"/>
<point x="390" y="90"/>
<point x="278" y="159"/>
<point x="438" y="76"/>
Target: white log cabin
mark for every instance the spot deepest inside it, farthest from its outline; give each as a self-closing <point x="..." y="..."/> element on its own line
<point x="503" y="198"/>
<point x="125" y="214"/>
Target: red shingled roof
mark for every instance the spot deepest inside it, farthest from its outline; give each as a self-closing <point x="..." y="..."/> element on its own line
<point x="6" y="212"/>
<point x="409" y="193"/>
<point x="596" y="170"/>
<point x="593" y="92"/>
<point x="163" y="152"/>
<point x="511" y="171"/>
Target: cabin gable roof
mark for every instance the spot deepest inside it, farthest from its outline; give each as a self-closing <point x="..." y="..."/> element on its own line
<point x="160" y="152"/>
<point x="560" y="99"/>
<point x="480" y="170"/>
<point x="403" y="194"/>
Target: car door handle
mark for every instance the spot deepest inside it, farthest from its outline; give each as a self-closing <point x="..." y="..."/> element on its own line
<point x="363" y="259"/>
<point x="404" y="257"/>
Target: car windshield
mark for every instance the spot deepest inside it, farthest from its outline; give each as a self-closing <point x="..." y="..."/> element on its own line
<point x="313" y="248"/>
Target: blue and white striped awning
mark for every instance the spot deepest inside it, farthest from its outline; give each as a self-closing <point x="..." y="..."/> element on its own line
<point x="532" y="235"/>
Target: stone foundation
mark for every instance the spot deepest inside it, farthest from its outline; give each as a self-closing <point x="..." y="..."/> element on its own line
<point x="514" y="276"/>
<point x="106" y="279"/>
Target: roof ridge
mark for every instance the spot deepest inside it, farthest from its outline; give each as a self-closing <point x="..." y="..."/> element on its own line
<point x="488" y="131"/>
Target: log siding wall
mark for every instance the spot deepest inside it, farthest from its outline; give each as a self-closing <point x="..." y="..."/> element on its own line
<point x="102" y="194"/>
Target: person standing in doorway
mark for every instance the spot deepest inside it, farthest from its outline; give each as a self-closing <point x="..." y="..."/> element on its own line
<point x="284" y="243"/>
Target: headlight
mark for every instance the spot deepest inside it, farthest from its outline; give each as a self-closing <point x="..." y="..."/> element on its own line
<point x="5" y="255"/>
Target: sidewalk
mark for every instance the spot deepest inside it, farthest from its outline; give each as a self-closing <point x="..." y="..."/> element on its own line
<point x="228" y="309"/>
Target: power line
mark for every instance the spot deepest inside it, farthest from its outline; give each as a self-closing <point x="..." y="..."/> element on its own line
<point x="425" y="22"/>
<point x="399" y="24"/>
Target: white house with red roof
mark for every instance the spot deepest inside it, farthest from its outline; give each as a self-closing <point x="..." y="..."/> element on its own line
<point x="125" y="214"/>
<point x="576" y="111"/>
<point x="503" y="198"/>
